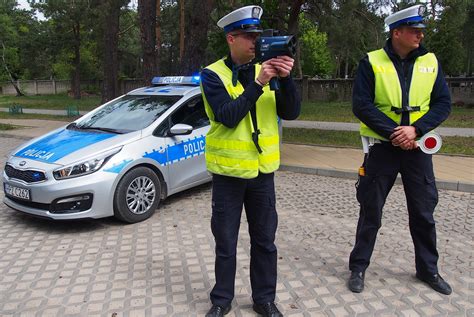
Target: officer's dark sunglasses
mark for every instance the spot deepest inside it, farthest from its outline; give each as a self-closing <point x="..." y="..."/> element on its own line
<point x="246" y="35"/>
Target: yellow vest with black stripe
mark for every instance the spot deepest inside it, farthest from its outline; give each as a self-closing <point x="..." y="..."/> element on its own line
<point x="388" y="92"/>
<point x="231" y="151"/>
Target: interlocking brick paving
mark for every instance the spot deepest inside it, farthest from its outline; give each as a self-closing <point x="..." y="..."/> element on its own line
<point x="165" y="265"/>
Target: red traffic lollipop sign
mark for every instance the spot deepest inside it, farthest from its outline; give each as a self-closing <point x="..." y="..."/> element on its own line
<point x="430" y="143"/>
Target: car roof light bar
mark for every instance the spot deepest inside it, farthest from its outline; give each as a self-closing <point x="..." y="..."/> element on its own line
<point x="176" y="80"/>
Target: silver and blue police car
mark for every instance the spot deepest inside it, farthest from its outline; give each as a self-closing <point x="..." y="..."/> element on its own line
<point x="119" y="160"/>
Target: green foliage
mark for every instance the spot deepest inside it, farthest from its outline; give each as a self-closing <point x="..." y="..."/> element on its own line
<point x="353" y="29"/>
<point x="9" y="38"/>
<point x="315" y="55"/>
<point x="468" y="38"/>
<point x="169" y="59"/>
<point x="129" y="45"/>
<point x="445" y="39"/>
<point x="334" y="36"/>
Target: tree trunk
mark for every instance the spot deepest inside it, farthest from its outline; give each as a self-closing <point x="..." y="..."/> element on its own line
<point x="76" y="76"/>
<point x="110" y="88"/>
<point x="346" y="67"/>
<point x="147" y="18"/>
<point x="12" y="81"/>
<point x="297" y="66"/>
<point x="293" y="29"/>
<point x="294" y="15"/>
<point x="281" y="15"/>
<point x="158" y="34"/>
<point x="196" y="35"/>
<point x="181" y="29"/>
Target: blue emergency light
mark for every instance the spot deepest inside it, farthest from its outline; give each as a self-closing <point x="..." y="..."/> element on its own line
<point x="176" y="80"/>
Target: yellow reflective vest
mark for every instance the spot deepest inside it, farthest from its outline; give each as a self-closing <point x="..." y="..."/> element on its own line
<point x="231" y="151"/>
<point x="388" y="92"/>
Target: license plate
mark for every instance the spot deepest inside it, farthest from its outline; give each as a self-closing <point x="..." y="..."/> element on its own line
<point x="17" y="192"/>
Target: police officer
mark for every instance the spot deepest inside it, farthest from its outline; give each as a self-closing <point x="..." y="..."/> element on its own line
<point x="242" y="153"/>
<point x="399" y="95"/>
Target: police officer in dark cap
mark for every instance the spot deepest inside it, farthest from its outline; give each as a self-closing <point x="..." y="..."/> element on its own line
<point x="400" y="94"/>
<point x="242" y="153"/>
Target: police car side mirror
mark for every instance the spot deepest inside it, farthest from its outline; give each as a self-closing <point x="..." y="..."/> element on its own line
<point x="181" y="129"/>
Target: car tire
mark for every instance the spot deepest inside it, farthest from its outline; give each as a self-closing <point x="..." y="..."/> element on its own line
<point x="137" y="195"/>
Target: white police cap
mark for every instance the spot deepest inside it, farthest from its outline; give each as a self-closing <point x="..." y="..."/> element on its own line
<point x="246" y="19"/>
<point x="412" y="16"/>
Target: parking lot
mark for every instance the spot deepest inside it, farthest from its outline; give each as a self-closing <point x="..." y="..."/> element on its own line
<point x="165" y="265"/>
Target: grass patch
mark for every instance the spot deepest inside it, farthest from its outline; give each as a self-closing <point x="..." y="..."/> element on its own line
<point x="327" y="111"/>
<point x="321" y="137"/>
<point x="56" y="102"/>
<point x="460" y="117"/>
<point x="6" y="115"/>
<point x="5" y="127"/>
<point x="451" y="144"/>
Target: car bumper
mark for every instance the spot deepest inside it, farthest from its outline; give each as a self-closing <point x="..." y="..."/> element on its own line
<point x="56" y="199"/>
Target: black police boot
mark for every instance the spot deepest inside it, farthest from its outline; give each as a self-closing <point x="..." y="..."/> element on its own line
<point x="268" y="310"/>
<point x="218" y="311"/>
<point x="436" y="282"/>
<point x="356" y="282"/>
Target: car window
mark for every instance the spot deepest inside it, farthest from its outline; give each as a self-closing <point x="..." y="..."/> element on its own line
<point x="192" y="113"/>
<point x="130" y="113"/>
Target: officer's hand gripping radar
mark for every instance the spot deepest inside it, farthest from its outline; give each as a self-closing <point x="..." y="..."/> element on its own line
<point x="270" y="45"/>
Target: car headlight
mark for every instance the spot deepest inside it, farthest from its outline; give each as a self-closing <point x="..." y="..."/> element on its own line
<point x="85" y="167"/>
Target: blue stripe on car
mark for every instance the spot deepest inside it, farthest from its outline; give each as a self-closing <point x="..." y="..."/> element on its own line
<point x="176" y="152"/>
<point x="179" y="151"/>
<point x="118" y="168"/>
<point x="54" y="147"/>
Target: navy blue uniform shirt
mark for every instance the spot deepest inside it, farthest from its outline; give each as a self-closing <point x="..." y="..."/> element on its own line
<point x="364" y="95"/>
<point x="230" y="111"/>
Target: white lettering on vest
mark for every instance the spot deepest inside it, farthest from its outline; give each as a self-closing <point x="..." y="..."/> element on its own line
<point x="423" y="69"/>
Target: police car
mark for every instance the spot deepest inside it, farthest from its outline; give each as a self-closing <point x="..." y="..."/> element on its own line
<point x="119" y="160"/>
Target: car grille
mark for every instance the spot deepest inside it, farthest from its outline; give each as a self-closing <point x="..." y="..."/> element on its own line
<point x="29" y="176"/>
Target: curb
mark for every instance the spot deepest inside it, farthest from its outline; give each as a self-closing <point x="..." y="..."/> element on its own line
<point x="440" y="184"/>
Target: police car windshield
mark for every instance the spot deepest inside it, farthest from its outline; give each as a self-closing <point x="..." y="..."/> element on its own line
<point x="129" y="113"/>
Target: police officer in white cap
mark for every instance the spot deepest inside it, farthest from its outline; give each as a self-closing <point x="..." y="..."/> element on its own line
<point x="242" y="153"/>
<point x="399" y="95"/>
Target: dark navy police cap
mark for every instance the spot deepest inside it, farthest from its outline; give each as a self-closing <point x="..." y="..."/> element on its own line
<point x="246" y="19"/>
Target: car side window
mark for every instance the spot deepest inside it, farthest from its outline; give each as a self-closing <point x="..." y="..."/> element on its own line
<point x="191" y="113"/>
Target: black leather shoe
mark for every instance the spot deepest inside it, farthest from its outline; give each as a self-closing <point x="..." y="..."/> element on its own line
<point x="436" y="282"/>
<point x="356" y="282"/>
<point x="268" y="310"/>
<point x="218" y="311"/>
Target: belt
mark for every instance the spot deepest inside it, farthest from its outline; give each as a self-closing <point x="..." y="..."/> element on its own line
<point x="405" y="109"/>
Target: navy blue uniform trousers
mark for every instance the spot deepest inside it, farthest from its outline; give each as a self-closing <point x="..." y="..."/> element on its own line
<point x="382" y="164"/>
<point x="229" y="194"/>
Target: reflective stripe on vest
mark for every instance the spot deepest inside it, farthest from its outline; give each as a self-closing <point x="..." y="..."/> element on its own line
<point x="231" y="151"/>
<point x="388" y="92"/>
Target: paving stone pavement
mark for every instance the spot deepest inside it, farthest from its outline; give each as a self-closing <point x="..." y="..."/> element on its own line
<point x="164" y="266"/>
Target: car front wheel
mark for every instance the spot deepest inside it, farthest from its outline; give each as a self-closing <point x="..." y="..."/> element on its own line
<point x="137" y="195"/>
